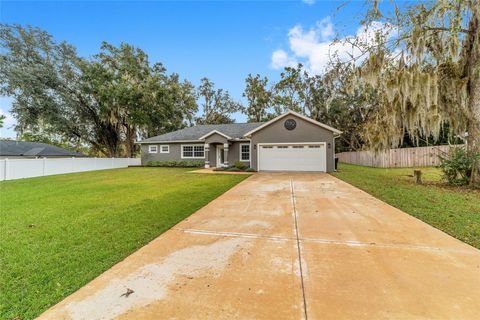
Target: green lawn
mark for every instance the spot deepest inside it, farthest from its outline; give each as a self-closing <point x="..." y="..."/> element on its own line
<point x="57" y="233"/>
<point x="456" y="211"/>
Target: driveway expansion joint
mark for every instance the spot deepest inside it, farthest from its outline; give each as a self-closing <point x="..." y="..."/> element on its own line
<point x="348" y="243"/>
<point x="299" y="249"/>
<point x="233" y="234"/>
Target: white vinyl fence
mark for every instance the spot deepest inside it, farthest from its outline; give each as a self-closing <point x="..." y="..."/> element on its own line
<point x="11" y="169"/>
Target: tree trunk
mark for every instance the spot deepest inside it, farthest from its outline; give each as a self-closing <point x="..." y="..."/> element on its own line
<point x="473" y="140"/>
<point x="130" y="141"/>
<point x="472" y="66"/>
<point x="112" y="139"/>
<point x="112" y="150"/>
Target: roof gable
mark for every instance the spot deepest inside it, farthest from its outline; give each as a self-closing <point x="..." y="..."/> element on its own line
<point x="290" y="112"/>
<point x="213" y="132"/>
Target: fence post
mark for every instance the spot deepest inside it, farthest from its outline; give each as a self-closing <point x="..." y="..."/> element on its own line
<point x="6" y="168"/>
<point x="418" y="176"/>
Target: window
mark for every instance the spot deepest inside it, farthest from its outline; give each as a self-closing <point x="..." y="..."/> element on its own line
<point x="313" y="147"/>
<point x="244" y="152"/>
<point x="282" y="147"/>
<point x="165" y="149"/>
<point x="152" y="149"/>
<point x="193" y="152"/>
<point x="297" y="147"/>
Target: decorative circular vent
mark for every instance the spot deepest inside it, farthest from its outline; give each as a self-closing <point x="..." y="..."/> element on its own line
<point x="290" y="124"/>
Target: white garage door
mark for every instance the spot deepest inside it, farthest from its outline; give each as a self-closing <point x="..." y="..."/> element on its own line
<point x="292" y="157"/>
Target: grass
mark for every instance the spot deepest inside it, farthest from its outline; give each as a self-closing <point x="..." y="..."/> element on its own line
<point x="453" y="210"/>
<point x="59" y="232"/>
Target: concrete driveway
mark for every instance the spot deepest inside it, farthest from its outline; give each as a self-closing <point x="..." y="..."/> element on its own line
<point x="289" y="246"/>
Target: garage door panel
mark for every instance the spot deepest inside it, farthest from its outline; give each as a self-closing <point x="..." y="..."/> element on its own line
<point x="292" y="157"/>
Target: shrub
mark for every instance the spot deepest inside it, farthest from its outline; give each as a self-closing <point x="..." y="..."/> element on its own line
<point x="239" y="165"/>
<point x="457" y="166"/>
<point x="176" y="163"/>
<point x="235" y="169"/>
<point x="219" y="169"/>
<point x="250" y="170"/>
<point x="150" y="163"/>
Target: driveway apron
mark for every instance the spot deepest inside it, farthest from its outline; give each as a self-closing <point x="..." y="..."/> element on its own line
<point x="289" y="246"/>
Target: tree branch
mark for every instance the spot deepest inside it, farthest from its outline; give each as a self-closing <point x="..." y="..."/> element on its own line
<point x="446" y="29"/>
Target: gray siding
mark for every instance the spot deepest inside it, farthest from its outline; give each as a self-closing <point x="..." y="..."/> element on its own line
<point x="234" y="153"/>
<point x="212" y="155"/>
<point x="304" y="132"/>
<point x="174" y="154"/>
<point x="216" y="138"/>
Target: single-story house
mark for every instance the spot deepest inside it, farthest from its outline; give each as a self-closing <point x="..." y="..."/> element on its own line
<point x="289" y="142"/>
<point x="12" y="149"/>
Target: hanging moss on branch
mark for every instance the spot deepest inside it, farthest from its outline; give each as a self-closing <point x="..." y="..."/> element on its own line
<point x="424" y="65"/>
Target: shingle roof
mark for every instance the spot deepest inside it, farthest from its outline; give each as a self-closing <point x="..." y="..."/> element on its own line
<point x="33" y="149"/>
<point x="233" y="130"/>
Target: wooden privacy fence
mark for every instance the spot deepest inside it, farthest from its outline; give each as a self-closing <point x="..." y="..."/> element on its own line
<point x="396" y="158"/>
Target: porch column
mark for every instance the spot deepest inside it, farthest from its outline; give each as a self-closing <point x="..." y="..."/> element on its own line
<point x="225" y="154"/>
<point x="207" y="159"/>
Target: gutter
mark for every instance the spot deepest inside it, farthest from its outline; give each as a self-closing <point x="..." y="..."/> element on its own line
<point x="186" y="141"/>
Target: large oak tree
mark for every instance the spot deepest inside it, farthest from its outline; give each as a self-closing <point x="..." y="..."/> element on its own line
<point x="106" y="102"/>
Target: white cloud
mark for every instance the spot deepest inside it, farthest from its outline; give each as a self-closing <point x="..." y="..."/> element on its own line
<point x="281" y="59"/>
<point x="7" y="130"/>
<point x="315" y="47"/>
<point x="325" y="26"/>
<point x="309" y="2"/>
<point x="9" y="120"/>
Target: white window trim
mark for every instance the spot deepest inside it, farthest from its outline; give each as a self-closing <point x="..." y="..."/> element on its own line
<point x="165" y="145"/>
<point x="150" y="149"/>
<point x="249" y="152"/>
<point x="192" y="145"/>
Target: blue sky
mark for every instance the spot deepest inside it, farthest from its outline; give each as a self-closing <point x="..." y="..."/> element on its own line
<point x="222" y="40"/>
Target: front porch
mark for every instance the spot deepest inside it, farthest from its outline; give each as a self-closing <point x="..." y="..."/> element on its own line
<point x="222" y="151"/>
<point x="216" y="154"/>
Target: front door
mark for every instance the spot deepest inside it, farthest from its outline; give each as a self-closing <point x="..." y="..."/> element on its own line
<point x="220" y="156"/>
